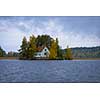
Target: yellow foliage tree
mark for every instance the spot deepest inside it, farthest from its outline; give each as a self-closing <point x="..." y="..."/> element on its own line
<point x="68" y="55"/>
<point x="53" y="50"/>
<point x="31" y="47"/>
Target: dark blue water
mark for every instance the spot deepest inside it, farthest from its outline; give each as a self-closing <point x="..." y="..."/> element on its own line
<point x="49" y="71"/>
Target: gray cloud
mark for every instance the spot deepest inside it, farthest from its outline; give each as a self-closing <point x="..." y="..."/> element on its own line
<point x="13" y="29"/>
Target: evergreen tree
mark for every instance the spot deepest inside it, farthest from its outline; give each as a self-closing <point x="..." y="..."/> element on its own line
<point x="68" y="55"/>
<point x="31" y="47"/>
<point x="23" y="51"/>
<point x="2" y="52"/>
<point x="53" y="50"/>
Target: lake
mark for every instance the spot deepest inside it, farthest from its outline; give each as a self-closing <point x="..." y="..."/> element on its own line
<point x="49" y="71"/>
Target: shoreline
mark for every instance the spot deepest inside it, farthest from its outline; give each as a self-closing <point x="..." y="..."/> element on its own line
<point x="9" y="58"/>
<point x="86" y="59"/>
<point x="17" y="58"/>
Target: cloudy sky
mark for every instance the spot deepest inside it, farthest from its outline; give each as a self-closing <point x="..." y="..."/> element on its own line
<point x="72" y="31"/>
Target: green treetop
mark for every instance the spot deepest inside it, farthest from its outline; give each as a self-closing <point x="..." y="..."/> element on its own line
<point x="23" y="50"/>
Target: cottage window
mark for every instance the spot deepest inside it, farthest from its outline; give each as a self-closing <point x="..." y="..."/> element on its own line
<point x="45" y="53"/>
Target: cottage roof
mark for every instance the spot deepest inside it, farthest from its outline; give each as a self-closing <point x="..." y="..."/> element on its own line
<point x="40" y="48"/>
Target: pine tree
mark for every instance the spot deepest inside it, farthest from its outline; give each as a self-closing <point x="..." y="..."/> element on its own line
<point x="2" y="52"/>
<point x="57" y="47"/>
<point x="23" y="51"/>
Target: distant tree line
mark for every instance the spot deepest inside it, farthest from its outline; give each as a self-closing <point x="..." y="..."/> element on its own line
<point x="86" y="52"/>
<point x="28" y="49"/>
<point x="9" y="54"/>
<point x="12" y="54"/>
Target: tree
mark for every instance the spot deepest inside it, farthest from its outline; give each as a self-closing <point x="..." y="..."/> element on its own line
<point x="12" y="54"/>
<point x="31" y="47"/>
<point x="43" y="40"/>
<point x="59" y="51"/>
<point x="68" y="55"/>
<point x="53" y="50"/>
<point x="23" y="51"/>
<point x="2" y="52"/>
<point x="57" y="47"/>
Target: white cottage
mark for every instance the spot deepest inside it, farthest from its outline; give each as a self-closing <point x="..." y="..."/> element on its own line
<point x="43" y="52"/>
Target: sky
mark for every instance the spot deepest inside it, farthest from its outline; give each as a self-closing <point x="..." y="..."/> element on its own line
<point x="75" y="31"/>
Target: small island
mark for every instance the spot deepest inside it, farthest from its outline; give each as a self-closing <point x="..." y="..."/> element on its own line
<point x="42" y="47"/>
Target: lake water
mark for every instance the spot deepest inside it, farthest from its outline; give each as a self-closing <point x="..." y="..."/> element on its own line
<point x="40" y="71"/>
